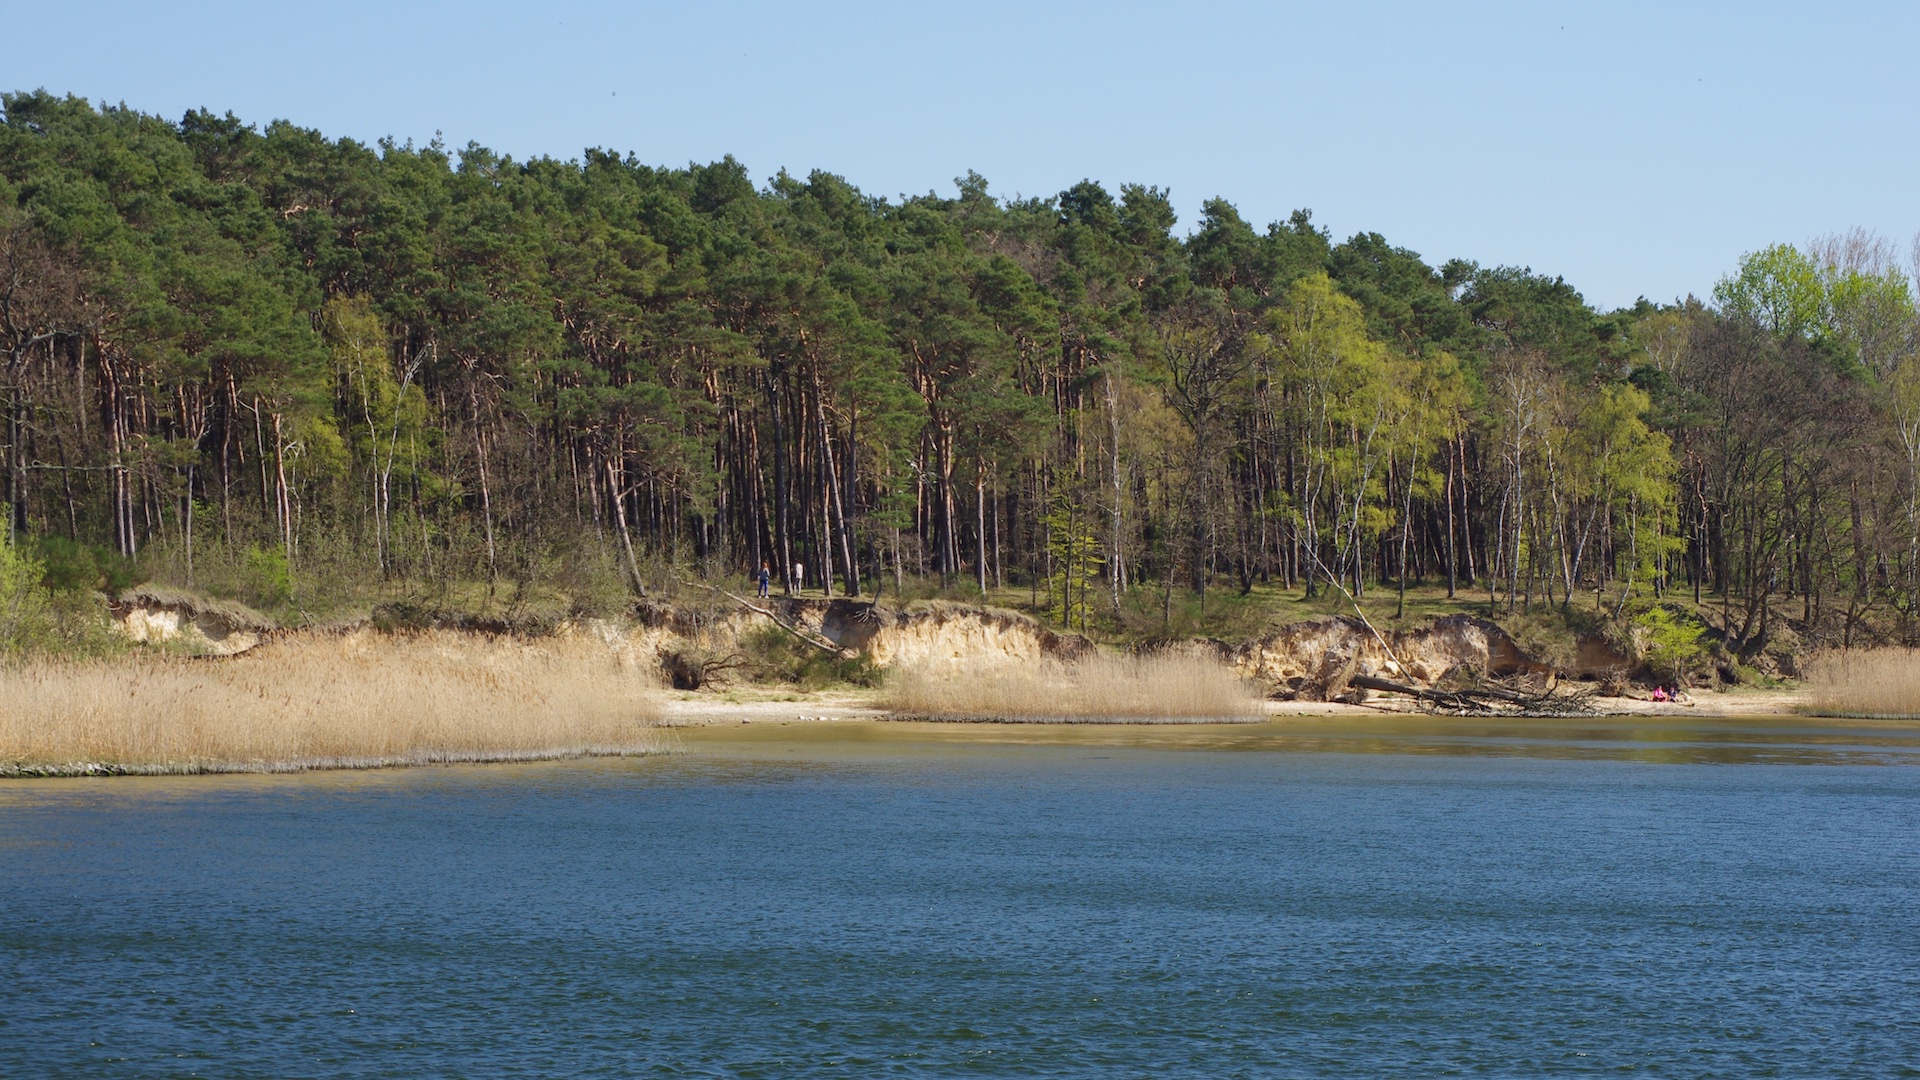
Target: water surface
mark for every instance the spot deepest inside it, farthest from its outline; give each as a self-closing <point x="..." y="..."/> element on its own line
<point x="1316" y="897"/>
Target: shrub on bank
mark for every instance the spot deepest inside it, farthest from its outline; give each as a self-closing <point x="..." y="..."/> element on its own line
<point x="24" y="604"/>
<point x="770" y="654"/>
<point x="1671" y="644"/>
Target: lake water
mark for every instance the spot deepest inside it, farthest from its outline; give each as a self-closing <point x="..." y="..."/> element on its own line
<point x="1329" y="897"/>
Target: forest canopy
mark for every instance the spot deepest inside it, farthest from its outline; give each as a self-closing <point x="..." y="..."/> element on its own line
<point x="322" y="362"/>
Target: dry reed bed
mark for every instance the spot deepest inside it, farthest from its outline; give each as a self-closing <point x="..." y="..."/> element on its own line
<point x="361" y="701"/>
<point x="1877" y="684"/>
<point x="1100" y="689"/>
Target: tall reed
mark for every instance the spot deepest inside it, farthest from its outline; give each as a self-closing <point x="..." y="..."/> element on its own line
<point x="1873" y="683"/>
<point x="1163" y="689"/>
<point x="327" y="702"/>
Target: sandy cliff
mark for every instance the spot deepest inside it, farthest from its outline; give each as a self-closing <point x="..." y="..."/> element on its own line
<point x="1313" y="660"/>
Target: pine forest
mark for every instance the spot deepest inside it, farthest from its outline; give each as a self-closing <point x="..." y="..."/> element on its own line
<point x="262" y="362"/>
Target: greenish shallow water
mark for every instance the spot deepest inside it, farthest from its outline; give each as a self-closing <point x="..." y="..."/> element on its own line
<point x="1316" y="897"/>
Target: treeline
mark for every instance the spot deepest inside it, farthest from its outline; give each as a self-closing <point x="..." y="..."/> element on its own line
<point x="226" y="345"/>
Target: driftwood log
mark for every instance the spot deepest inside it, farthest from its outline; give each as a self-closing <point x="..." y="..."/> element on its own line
<point x="1484" y="700"/>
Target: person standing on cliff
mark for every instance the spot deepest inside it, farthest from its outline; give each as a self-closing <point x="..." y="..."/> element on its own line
<point x="763" y="578"/>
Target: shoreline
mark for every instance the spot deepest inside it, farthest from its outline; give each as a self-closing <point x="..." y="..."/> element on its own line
<point x="695" y="709"/>
<point x="74" y="770"/>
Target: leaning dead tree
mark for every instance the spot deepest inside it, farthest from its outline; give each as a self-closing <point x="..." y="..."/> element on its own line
<point x="800" y="633"/>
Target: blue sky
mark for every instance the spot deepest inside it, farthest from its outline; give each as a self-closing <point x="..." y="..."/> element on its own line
<point x="1634" y="148"/>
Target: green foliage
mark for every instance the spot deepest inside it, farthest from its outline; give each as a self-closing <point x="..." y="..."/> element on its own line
<point x="1405" y="300"/>
<point x="1865" y="312"/>
<point x="1777" y="287"/>
<point x="269" y="580"/>
<point x="26" y="620"/>
<point x="72" y="567"/>
<point x="83" y="627"/>
<point x="591" y="579"/>
<point x="1517" y="309"/>
<point x="1871" y="315"/>
<point x="1152" y="614"/>
<point x="1545" y="634"/>
<point x="1671" y="642"/>
<point x="770" y="654"/>
<point x="1347" y="405"/>
<point x="1075" y="560"/>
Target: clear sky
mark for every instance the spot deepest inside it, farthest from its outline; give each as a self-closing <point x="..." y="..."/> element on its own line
<point x="1634" y="148"/>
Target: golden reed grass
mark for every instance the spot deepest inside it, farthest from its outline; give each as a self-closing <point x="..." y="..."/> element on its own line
<point x="1101" y="689"/>
<point x="1877" y="683"/>
<point x="364" y="700"/>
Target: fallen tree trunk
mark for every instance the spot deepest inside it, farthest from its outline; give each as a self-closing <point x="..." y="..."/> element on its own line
<point x="820" y="643"/>
<point x="1482" y="700"/>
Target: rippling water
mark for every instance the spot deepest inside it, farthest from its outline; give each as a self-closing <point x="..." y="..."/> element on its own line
<point x="1323" y="897"/>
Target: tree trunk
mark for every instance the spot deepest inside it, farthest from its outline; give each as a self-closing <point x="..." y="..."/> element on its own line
<point x="619" y="499"/>
<point x="837" y="527"/>
<point x="782" y="533"/>
<point x="1115" y="572"/>
<point x="980" y="525"/>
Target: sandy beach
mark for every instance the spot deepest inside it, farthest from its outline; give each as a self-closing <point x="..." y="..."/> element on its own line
<point x="684" y="709"/>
